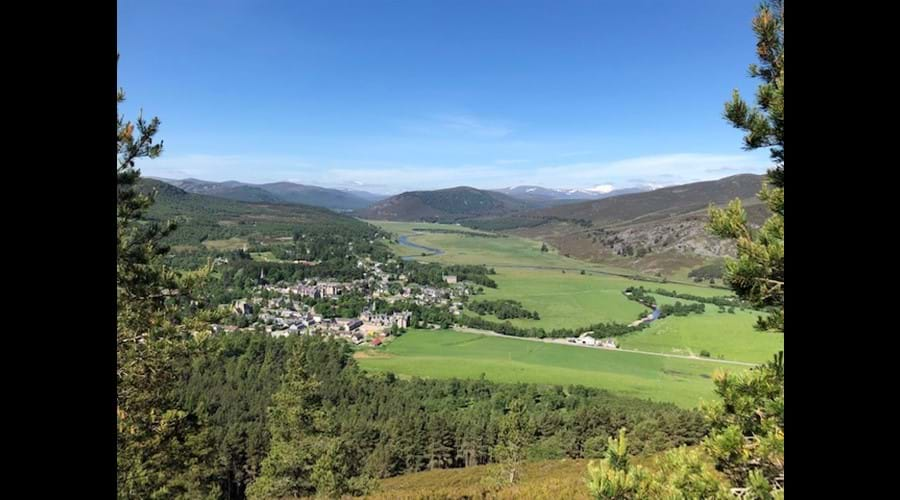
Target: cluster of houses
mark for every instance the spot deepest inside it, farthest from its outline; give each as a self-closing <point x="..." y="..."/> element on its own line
<point x="400" y="319"/>
<point x="284" y="315"/>
<point x="313" y="289"/>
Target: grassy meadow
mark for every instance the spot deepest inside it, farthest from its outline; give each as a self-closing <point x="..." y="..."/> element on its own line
<point x="730" y="336"/>
<point x="455" y="354"/>
<point x="568" y="300"/>
<point x="565" y="300"/>
<point x="461" y="249"/>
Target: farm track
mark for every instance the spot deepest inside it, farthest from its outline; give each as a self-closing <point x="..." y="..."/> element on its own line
<point x="563" y="342"/>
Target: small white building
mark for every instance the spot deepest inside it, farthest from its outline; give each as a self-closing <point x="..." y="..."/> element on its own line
<point x="607" y="343"/>
<point x="587" y="339"/>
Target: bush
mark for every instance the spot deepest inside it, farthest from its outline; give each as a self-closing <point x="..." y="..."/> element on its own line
<point x="708" y="272"/>
<point x="595" y="446"/>
<point x="704" y="353"/>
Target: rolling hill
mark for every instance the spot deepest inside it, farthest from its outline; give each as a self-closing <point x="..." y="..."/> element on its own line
<point x="204" y="219"/>
<point x="443" y="205"/>
<point x="278" y="192"/>
<point x="662" y="231"/>
<point x="316" y="196"/>
<point x="659" y="203"/>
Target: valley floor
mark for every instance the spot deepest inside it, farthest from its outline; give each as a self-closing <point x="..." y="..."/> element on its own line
<point x="457" y="354"/>
<point x="567" y="343"/>
<point x="661" y="362"/>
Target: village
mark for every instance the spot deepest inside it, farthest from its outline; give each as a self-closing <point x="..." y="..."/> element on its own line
<point x="281" y="309"/>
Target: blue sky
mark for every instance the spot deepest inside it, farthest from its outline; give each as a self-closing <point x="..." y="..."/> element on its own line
<point x="390" y="96"/>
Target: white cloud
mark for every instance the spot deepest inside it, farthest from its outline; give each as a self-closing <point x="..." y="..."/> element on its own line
<point x="246" y="168"/>
<point x="668" y="169"/>
<point x="602" y="188"/>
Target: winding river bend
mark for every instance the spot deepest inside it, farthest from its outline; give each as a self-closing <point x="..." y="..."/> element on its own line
<point x="405" y="242"/>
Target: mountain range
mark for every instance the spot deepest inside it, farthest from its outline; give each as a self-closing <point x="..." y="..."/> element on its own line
<point x="547" y="196"/>
<point x="660" y="203"/>
<point x="444" y="205"/>
<point x="464" y="202"/>
<point x="660" y="230"/>
<point x="653" y="230"/>
<point x="348" y="199"/>
<point x="279" y="192"/>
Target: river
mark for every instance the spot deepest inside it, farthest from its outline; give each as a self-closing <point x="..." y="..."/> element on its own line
<point x="405" y="242"/>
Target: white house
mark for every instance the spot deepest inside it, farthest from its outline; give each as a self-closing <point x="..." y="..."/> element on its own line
<point x="607" y="343"/>
<point x="586" y="339"/>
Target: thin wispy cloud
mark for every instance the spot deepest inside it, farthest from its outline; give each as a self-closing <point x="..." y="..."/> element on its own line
<point x="420" y="177"/>
<point x="246" y="168"/>
<point x="458" y="125"/>
<point x="575" y="153"/>
<point x="657" y="170"/>
<point x="473" y="125"/>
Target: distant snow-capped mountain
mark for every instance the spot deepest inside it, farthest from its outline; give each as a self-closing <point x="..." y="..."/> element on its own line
<point x="550" y="195"/>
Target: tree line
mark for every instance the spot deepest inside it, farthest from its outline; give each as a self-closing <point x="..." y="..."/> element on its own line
<point x="432" y="273"/>
<point x="332" y="428"/>
<point x="502" y="309"/>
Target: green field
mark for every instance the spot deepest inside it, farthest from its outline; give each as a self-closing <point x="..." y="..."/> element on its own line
<point x="565" y="300"/>
<point x="571" y="300"/>
<point x="264" y="257"/>
<point x="460" y="249"/>
<point x="730" y="336"/>
<point x="229" y="244"/>
<point x="512" y="252"/>
<point x="448" y="354"/>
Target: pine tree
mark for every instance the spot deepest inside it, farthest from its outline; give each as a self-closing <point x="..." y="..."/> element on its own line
<point x="613" y="477"/>
<point x="679" y="474"/>
<point x="297" y="425"/>
<point x="306" y="455"/>
<point x="757" y="275"/>
<point x="441" y="443"/>
<point x="747" y="435"/>
<point x="514" y="435"/>
<point x="162" y="450"/>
